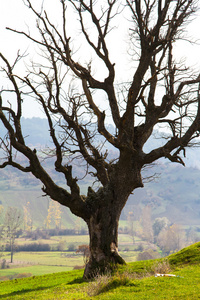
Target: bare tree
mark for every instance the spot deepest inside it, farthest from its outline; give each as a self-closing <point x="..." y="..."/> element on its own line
<point x="84" y="249"/>
<point x="160" y="91"/>
<point x="131" y="230"/>
<point x="171" y="239"/>
<point x="12" y="222"/>
<point x="1" y="231"/>
<point x="158" y="225"/>
<point x="147" y="224"/>
<point x="28" y="221"/>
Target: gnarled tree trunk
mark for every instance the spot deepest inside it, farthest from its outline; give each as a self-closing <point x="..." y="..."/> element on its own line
<point x="106" y="207"/>
<point x="103" y="231"/>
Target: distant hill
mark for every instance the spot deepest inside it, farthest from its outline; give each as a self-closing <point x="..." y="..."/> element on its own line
<point x="174" y="192"/>
<point x="36" y="131"/>
<point x="18" y="188"/>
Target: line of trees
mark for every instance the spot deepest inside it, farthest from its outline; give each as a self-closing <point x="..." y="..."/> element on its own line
<point x="169" y="237"/>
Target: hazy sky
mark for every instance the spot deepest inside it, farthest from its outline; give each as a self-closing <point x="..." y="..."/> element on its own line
<point x="14" y="14"/>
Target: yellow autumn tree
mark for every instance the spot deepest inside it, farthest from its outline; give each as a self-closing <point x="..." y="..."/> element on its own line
<point x="1" y="229"/>
<point x="147" y="224"/>
<point x="28" y="222"/>
<point x="54" y="215"/>
<point x="171" y="239"/>
<point x="57" y="214"/>
<point x="130" y="225"/>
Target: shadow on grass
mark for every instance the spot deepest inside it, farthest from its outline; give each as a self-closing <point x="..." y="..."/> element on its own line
<point x="117" y="283"/>
<point x="24" y="291"/>
<point x="77" y="281"/>
<point x="40" y="288"/>
<point x="103" y="285"/>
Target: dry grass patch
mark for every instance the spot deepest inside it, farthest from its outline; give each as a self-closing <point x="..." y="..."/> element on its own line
<point x="162" y="267"/>
<point x="107" y="282"/>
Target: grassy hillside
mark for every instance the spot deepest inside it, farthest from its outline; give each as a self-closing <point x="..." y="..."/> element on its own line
<point x="134" y="281"/>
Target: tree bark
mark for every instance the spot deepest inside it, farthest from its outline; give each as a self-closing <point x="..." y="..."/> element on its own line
<point x="103" y="231"/>
<point x="105" y="206"/>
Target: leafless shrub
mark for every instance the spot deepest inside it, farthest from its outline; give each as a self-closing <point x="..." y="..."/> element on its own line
<point x="23" y="275"/>
<point x="84" y="249"/>
<point x="78" y="267"/>
<point x="103" y="283"/>
<point x="4" y="264"/>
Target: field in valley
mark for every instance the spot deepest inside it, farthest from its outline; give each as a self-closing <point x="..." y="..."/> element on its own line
<point x="28" y="264"/>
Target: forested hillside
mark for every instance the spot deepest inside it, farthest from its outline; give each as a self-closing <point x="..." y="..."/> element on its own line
<point x="173" y="192"/>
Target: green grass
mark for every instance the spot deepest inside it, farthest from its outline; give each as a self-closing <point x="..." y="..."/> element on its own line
<point x="76" y="240"/>
<point x="124" y="240"/>
<point x="40" y="263"/>
<point x="46" y="258"/>
<point x="133" y="281"/>
<point x="19" y="272"/>
<point x="189" y="255"/>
